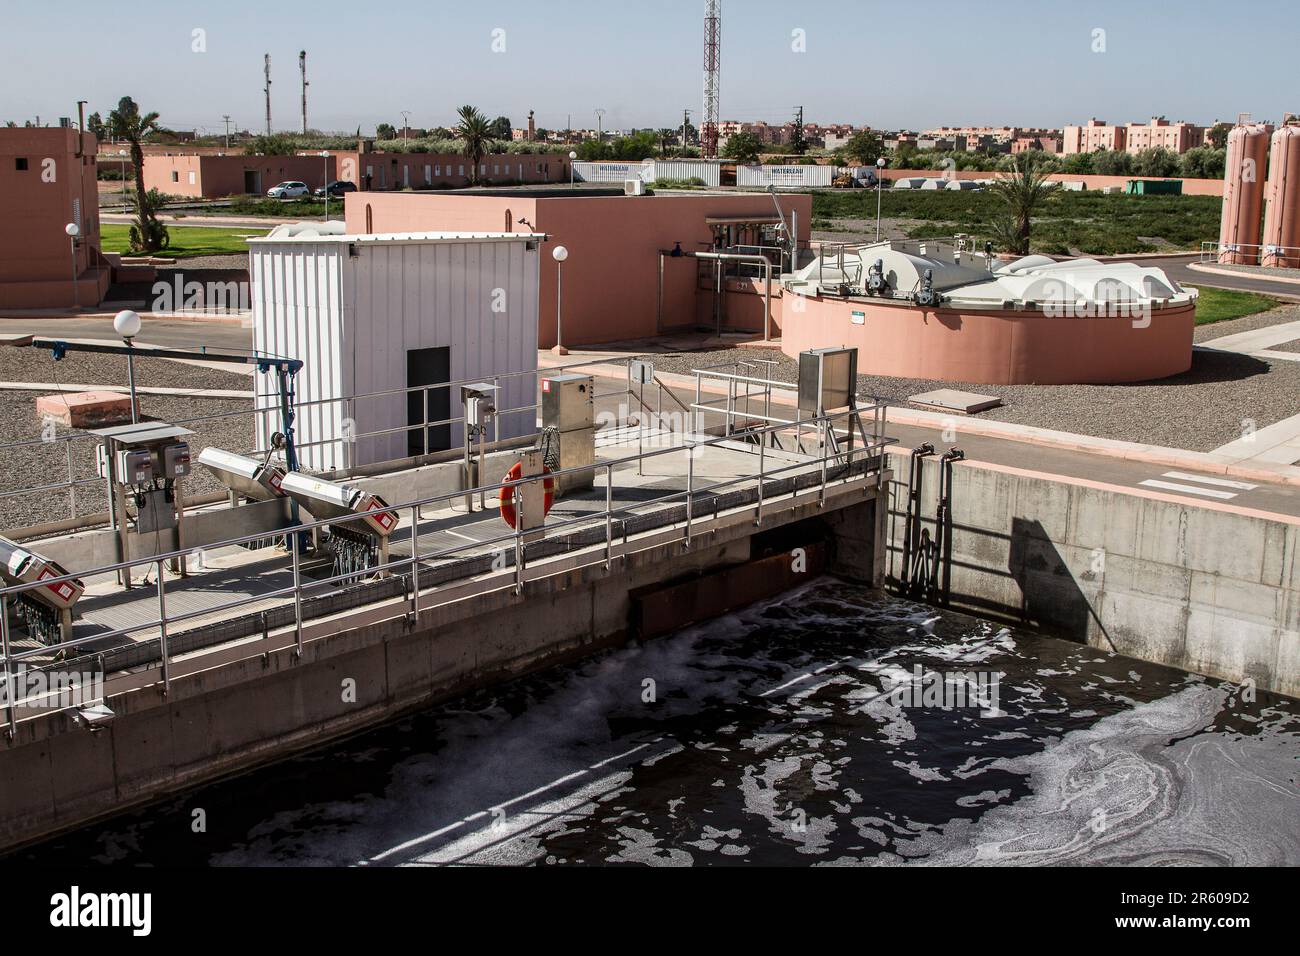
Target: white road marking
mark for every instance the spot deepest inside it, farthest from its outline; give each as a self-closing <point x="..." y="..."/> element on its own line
<point x="1218" y="482"/>
<point x="1189" y="489"/>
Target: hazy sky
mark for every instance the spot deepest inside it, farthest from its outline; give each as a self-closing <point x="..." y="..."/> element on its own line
<point x="892" y="65"/>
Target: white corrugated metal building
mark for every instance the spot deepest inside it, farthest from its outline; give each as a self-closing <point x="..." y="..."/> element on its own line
<point x="607" y="172"/>
<point x="792" y="176"/>
<point x="372" y="313"/>
<point x="710" y="171"/>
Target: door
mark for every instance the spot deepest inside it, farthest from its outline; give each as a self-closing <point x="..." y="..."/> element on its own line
<point x="428" y="367"/>
<point x="253" y="182"/>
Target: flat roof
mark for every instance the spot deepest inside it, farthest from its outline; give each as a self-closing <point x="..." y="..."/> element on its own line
<point x="407" y="237"/>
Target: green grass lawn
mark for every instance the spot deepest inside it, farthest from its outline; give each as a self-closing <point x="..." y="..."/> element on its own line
<point x="1218" y="305"/>
<point x="186" y="241"/>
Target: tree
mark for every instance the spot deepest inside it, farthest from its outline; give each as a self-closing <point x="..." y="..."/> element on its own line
<point x="475" y="135"/>
<point x="96" y="126"/>
<point x="1079" y="164"/>
<point x="1203" y="162"/>
<point x="1218" y="135"/>
<point x="502" y="128"/>
<point x="864" y="148"/>
<point x="276" y="144"/>
<point x="743" y="148"/>
<point x="385" y="131"/>
<point x="126" y="122"/>
<point x="1111" y="163"/>
<point x="1021" y="192"/>
<point x="1156" y="161"/>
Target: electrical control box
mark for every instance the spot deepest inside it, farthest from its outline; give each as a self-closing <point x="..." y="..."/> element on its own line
<point x="134" y="466"/>
<point x="828" y="380"/>
<point x="480" y="404"/>
<point x="568" y="402"/>
<point x="641" y="371"/>
<point x="568" y="414"/>
<point x="176" y="460"/>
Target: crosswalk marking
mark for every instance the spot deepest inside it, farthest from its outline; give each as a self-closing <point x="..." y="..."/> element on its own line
<point x="1219" y="482"/>
<point x="1189" y="489"/>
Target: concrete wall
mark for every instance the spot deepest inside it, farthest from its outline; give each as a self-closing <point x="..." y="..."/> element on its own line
<point x="264" y="702"/>
<point x="991" y="346"/>
<point x="611" y="276"/>
<point x="1191" y="187"/>
<point x="1213" y="589"/>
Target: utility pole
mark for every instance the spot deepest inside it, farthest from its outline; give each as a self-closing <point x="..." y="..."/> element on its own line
<point x="600" y="126"/>
<point x="226" y="117"/>
<point x="302" y="68"/>
<point x="266" y="68"/>
<point x="686" y="121"/>
<point x="712" y="77"/>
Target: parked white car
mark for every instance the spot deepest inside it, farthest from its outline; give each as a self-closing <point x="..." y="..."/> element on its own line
<point x="288" y="190"/>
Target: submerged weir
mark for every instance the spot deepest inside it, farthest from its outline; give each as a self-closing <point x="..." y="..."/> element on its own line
<point x="796" y="732"/>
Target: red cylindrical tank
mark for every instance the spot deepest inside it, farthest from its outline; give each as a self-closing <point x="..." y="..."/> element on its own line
<point x="1243" y="195"/>
<point x="1282" y="195"/>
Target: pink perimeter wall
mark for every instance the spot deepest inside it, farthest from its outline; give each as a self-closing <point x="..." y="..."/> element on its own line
<point x="1191" y="187"/>
<point x="611" y="275"/>
<point x="992" y="347"/>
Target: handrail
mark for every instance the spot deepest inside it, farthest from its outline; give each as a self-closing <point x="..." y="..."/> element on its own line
<point x="564" y="526"/>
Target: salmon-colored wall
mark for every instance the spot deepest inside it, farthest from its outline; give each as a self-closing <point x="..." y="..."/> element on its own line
<point x="1191" y="187"/>
<point x="218" y="176"/>
<point x="611" y="275"/>
<point x="398" y="170"/>
<point x="36" y="204"/>
<point x="992" y="347"/>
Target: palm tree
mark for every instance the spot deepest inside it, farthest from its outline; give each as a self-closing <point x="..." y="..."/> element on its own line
<point x="1021" y="192"/>
<point x="126" y="122"/>
<point x="475" y="134"/>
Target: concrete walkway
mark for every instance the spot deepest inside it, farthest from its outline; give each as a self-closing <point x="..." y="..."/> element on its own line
<point x="1256" y="340"/>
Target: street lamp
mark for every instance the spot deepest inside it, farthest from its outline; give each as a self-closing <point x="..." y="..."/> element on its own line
<point x="880" y="183"/>
<point x="73" y="231"/>
<point x="572" y="157"/>
<point x="127" y="324"/>
<point x="406" y="124"/>
<point x="326" y="177"/>
<point x="559" y="254"/>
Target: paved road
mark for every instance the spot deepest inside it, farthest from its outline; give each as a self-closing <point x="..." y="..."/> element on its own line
<point x="1196" y="487"/>
<point x="160" y="332"/>
<point x="1176" y="267"/>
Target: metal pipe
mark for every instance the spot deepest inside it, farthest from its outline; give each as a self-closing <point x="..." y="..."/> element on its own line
<point x="297" y="593"/>
<point x="162" y="629"/>
<point x="766" y="263"/>
<point x="9" y="674"/>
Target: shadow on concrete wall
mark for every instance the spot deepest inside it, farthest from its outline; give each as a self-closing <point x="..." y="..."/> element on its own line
<point x="1051" y="597"/>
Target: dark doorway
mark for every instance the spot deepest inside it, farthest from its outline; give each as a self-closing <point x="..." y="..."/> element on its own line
<point x="428" y="367"/>
<point x="253" y="182"/>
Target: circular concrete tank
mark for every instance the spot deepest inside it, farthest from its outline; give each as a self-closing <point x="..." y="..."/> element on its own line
<point x="1243" y="195"/>
<point x="1282" y="197"/>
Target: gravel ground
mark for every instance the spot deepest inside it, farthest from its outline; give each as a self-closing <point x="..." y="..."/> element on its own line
<point x="1199" y="410"/>
<point x="46" y="463"/>
<point x="91" y="368"/>
<point x="1260" y="320"/>
<point x="1292" y="346"/>
<point x="237" y="261"/>
<point x="41" y="463"/>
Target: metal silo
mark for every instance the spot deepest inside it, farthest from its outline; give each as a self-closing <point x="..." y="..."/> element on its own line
<point x="1282" y="195"/>
<point x="1243" y="195"/>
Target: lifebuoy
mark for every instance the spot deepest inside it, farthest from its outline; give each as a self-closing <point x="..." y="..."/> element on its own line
<point x="508" y="494"/>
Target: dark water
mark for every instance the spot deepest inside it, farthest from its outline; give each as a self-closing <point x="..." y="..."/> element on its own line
<point x="772" y="737"/>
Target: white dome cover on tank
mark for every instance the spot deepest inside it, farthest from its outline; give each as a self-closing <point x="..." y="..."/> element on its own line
<point x="307" y="230"/>
<point x="967" y="279"/>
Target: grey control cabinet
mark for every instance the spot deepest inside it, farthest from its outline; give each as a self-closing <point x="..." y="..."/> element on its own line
<point x="568" y="407"/>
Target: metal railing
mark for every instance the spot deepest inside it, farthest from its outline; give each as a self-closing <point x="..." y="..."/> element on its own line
<point x="603" y="548"/>
<point x="1266" y="255"/>
<point x="62" y="446"/>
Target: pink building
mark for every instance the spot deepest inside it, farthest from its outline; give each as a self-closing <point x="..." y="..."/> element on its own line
<point x="1161" y="134"/>
<point x="372" y="170"/>
<point x="47" y="180"/>
<point x="611" y="277"/>
<point x="212" y="177"/>
<point x="1093" y="136"/>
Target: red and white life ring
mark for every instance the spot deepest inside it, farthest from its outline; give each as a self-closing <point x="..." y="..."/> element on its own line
<point x="508" y="494"/>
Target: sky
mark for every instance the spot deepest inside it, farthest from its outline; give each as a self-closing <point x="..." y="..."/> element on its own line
<point x="886" y="65"/>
